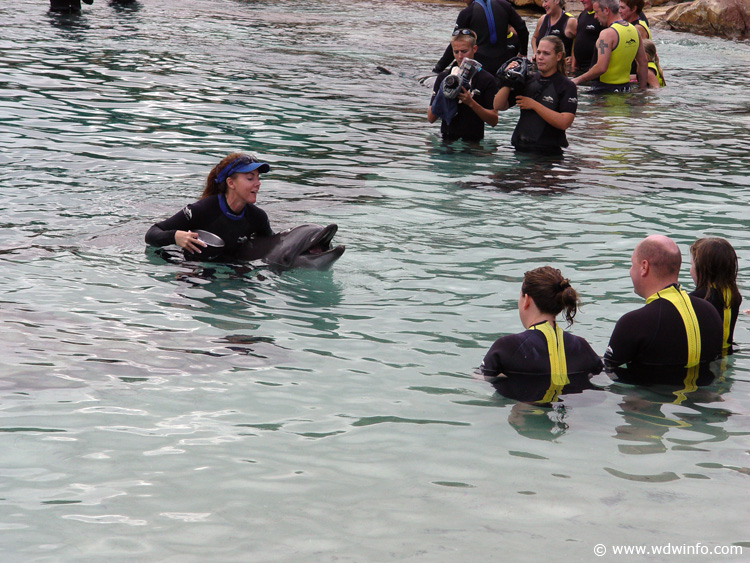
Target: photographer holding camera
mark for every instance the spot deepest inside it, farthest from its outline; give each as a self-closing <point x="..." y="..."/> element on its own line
<point x="463" y="97"/>
<point x="548" y="99"/>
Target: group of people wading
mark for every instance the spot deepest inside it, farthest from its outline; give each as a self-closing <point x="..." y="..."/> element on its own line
<point x="609" y="46"/>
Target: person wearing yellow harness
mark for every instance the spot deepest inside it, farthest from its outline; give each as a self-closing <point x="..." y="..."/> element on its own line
<point x="617" y="47"/>
<point x="655" y="73"/>
<point x="674" y="330"/>
<point x="714" y="267"/>
<point x="544" y="349"/>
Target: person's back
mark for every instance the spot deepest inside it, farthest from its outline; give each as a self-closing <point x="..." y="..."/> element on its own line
<point x="491" y="45"/>
<point x="527" y="353"/>
<point x="655" y="335"/>
<point x="714" y="268"/>
<point x="674" y="333"/>
<point x="543" y="361"/>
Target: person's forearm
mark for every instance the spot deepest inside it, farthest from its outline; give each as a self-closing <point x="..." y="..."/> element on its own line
<point x="591" y="74"/>
<point x="557" y="119"/>
<point x="500" y="102"/>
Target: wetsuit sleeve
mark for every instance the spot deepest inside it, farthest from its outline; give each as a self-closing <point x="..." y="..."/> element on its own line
<point x="162" y="233"/>
<point x="491" y="366"/>
<point x="438" y="80"/>
<point x="264" y="225"/>
<point x="445" y="60"/>
<point x="568" y="98"/>
<point x="595" y="363"/>
<point x="520" y="26"/>
<point x="623" y="347"/>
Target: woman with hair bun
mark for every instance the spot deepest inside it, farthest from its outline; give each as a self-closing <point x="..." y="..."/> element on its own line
<point x="543" y="348"/>
<point x="226" y="209"/>
<point x="714" y="268"/>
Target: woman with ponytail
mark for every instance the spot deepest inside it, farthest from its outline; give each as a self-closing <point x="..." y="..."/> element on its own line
<point x="226" y="209"/>
<point x="544" y="348"/>
<point x="548" y="100"/>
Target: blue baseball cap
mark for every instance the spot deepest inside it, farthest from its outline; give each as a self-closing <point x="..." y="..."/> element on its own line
<point x="242" y="164"/>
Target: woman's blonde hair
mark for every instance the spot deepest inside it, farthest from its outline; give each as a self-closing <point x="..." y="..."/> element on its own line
<point x="652" y="57"/>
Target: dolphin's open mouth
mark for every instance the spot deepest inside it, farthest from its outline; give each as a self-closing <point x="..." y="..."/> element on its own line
<point x="320" y="243"/>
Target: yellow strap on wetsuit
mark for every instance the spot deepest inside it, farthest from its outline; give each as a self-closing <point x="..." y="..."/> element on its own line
<point x="556" y="348"/>
<point x="727" y="317"/>
<point x="653" y="67"/>
<point x="680" y="299"/>
<point x="645" y="26"/>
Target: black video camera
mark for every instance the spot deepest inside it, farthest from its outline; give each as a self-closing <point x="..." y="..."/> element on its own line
<point x="517" y="75"/>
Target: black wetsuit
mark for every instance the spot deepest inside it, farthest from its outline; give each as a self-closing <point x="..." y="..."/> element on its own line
<point x="519" y="366"/>
<point x="718" y="304"/>
<point x="466" y="124"/>
<point x="212" y="214"/>
<point x="584" y="46"/>
<point x="512" y="45"/>
<point x="534" y="134"/>
<point x="558" y="30"/>
<point x="491" y="56"/>
<point x="653" y="340"/>
<point x="67" y="6"/>
<point x="526" y="353"/>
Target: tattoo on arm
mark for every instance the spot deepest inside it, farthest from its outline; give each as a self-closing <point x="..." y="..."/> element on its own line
<point x="603" y="45"/>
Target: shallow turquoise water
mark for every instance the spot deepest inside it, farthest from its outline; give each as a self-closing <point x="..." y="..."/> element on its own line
<point x="150" y="413"/>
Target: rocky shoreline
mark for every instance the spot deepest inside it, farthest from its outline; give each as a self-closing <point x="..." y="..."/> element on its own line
<point x="729" y="19"/>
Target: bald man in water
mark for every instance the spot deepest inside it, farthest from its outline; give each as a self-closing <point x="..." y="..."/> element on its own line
<point x="673" y="329"/>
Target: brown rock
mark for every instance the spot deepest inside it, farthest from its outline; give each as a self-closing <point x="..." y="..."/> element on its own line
<point x="725" y="18"/>
<point x="526" y="3"/>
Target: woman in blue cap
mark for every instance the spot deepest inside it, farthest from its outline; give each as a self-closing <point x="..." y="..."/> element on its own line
<point x="226" y="209"/>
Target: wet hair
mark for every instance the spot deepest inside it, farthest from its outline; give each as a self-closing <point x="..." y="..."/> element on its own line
<point x="652" y="57"/>
<point x="635" y="5"/>
<point x="464" y="34"/>
<point x="559" y="47"/>
<point x="664" y="261"/>
<point x="612" y="5"/>
<point x="551" y="292"/>
<point x="212" y="187"/>
<point x="716" y="267"/>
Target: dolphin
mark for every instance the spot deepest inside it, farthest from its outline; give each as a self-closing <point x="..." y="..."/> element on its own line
<point x="304" y="246"/>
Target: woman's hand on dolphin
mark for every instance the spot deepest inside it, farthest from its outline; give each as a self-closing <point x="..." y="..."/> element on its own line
<point x="189" y="241"/>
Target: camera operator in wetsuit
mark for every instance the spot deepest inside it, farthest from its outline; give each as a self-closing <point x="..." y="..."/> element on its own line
<point x="464" y="100"/>
<point x="548" y="99"/>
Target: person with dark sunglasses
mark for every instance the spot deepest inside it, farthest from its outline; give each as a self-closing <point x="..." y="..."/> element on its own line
<point x="226" y="209"/>
<point x="464" y="114"/>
